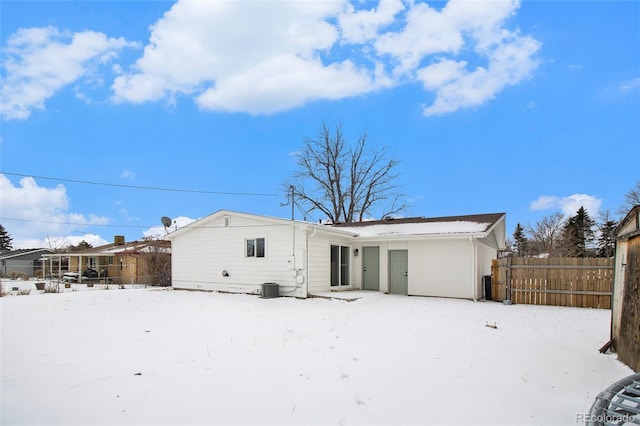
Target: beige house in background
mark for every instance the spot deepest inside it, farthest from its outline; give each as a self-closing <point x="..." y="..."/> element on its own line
<point x="117" y="263"/>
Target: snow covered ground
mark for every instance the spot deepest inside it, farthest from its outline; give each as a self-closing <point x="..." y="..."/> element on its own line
<point x="159" y="356"/>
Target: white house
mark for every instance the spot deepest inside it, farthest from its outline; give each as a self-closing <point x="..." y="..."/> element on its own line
<point x="239" y="252"/>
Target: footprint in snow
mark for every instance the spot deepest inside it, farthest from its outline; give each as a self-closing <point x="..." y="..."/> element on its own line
<point x="344" y="374"/>
<point x="362" y="403"/>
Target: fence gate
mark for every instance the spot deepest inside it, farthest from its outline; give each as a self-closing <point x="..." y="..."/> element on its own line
<point x="566" y="281"/>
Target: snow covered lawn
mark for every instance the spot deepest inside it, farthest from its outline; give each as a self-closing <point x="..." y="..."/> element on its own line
<point x="158" y="357"/>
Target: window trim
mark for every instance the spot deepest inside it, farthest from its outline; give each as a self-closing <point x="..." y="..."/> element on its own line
<point x="256" y="248"/>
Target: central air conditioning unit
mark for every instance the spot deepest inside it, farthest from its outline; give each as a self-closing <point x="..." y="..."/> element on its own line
<point x="270" y="290"/>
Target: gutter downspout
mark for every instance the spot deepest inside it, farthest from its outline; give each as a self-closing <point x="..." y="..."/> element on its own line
<point x="474" y="275"/>
<point x="293" y="267"/>
<point x="306" y="272"/>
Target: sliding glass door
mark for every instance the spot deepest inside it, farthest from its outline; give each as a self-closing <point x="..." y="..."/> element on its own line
<point x="339" y="266"/>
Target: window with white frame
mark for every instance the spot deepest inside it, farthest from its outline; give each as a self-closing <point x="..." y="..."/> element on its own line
<point x="255" y="247"/>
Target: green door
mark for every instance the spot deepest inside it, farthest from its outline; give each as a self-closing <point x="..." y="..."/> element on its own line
<point x="398" y="272"/>
<point x="371" y="268"/>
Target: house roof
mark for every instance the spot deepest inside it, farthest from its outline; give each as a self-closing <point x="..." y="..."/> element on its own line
<point x="115" y="249"/>
<point x="630" y="225"/>
<point x="203" y="223"/>
<point x="23" y="252"/>
<point x="425" y="226"/>
<point x="477" y="225"/>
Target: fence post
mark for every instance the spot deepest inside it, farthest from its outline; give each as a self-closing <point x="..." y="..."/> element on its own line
<point x="508" y="278"/>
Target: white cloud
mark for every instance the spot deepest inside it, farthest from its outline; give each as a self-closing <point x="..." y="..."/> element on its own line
<point x="38" y="62"/>
<point x="232" y="58"/>
<point x="568" y="205"/>
<point x="440" y="73"/>
<point x="228" y="57"/>
<point x="510" y="57"/>
<point x="264" y="57"/>
<point x="426" y="32"/>
<point x="545" y="202"/>
<point x="160" y="231"/>
<point x="361" y="26"/>
<point x="40" y="212"/>
<point x="282" y="83"/>
<point x="629" y="85"/>
<point x="61" y="242"/>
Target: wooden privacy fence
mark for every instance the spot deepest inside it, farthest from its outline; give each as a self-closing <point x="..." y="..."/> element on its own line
<point x="566" y="281"/>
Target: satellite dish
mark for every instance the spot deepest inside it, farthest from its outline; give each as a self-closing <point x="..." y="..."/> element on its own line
<point x="166" y="221"/>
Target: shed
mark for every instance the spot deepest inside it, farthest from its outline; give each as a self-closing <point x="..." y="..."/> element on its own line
<point x="625" y="312"/>
<point x="239" y="252"/>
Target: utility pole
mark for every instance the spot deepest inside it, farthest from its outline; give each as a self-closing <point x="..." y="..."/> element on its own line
<point x="291" y="199"/>
<point x="293" y="204"/>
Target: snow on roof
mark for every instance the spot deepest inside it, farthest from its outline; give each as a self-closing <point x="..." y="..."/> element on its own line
<point x="424" y="226"/>
<point x="419" y="229"/>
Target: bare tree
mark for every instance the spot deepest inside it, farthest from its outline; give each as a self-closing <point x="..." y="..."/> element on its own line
<point x="631" y="199"/>
<point x="345" y="183"/>
<point x="547" y="233"/>
<point x="157" y="261"/>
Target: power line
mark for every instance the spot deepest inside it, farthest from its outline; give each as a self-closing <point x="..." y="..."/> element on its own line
<point x="76" y="223"/>
<point x="89" y="225"/>
<point x="152" y="188"/>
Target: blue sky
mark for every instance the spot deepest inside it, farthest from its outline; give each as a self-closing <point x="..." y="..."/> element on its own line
<point x="527" y="108"/>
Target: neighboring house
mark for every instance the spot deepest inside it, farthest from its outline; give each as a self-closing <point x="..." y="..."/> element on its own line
<point x="625" y="312"/>
<point x="239" y="252"/>
<point x="120" y="262"/>
<point x="24" y="262"/>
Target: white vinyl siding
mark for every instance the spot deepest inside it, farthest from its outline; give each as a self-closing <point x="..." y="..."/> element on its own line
<point x="441" y="268"/>
<point x="320" y="260"/>
<point x="319" y="264"/>
<point x="200" y="255"/>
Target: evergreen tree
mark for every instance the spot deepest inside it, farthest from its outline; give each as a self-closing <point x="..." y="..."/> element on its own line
<point x="606" y="239"/>
<point x="521" y="244"/>
<point x="6" y="241"/>
<point x="82" y="245"/>
<point x="577" y="234"/>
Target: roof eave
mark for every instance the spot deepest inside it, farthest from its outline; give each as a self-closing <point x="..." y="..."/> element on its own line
<point x="440" y="236"/>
